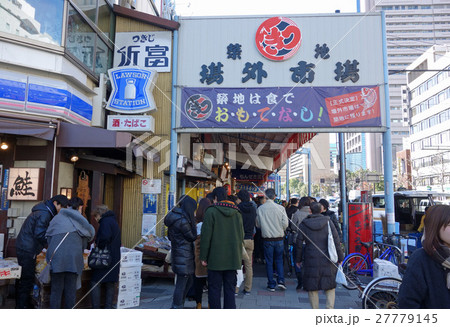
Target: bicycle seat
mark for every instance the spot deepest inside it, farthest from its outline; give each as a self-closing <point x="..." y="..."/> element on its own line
<point x="366" y="244"/>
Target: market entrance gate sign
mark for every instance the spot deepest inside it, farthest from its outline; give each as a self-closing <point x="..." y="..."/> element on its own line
<point x="284" y="73"/>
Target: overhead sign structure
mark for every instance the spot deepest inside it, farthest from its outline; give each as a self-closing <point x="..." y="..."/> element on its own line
<point x="150" y="50"/>
<point x="131" y="123"/>
<point x="132" y="90"/>
<point x="267" y="73"/>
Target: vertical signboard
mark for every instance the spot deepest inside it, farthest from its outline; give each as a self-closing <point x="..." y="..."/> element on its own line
<point x="359" y="227"/>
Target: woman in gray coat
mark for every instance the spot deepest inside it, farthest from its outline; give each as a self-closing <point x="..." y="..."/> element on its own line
<point x="67" y="263"/>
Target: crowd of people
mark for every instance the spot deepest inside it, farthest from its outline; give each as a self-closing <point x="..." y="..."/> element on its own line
<point x="227" y="233"/>
<point x="58" y="225"/>
<point x="212" y="240"/>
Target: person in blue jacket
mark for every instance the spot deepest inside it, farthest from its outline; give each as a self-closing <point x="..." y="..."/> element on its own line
<point x="426" y="282"/>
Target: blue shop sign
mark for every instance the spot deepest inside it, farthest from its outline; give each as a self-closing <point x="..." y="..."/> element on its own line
<point x="150" y="203"/>
<point x="131" y="90"/>
<point x="4" y="203"/>
<point x="5" y="178"/>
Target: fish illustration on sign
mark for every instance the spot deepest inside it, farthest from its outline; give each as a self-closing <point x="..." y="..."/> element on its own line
<point x="369" y="96"/>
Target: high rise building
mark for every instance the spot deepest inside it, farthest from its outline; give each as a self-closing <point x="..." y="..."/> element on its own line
<point x="412" y="26"/>
<point x="429" y="92"/>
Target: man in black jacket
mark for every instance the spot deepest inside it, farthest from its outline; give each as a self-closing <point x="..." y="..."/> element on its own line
<point x="248" y="212"/>
<point x="30" y="242"/>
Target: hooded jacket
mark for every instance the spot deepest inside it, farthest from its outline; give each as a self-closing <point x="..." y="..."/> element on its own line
<point x="222" y="237"/>
<point x="248" y="212"/>
<point x="31" y="237"/>
<point x="319" y="273"/>
<point x="69" y="257"/>
<point x="182" y="233"/>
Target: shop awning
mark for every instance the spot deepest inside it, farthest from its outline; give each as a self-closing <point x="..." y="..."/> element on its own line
<point x="42" y="130"/>
<point x="198" y="170"/>
<point x="77" y="136"/>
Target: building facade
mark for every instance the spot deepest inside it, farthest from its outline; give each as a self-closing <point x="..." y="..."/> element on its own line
<point x="429" y="111"/>
<point x="54" y="60"/>
<point x="411" y="27"/>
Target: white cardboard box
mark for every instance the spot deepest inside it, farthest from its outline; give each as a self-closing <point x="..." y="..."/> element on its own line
<point x="128" y="300"/>
<point x="130" y="273"/>
<point x="130" y="257"/>
<point x="384" y="268"/>
<point x="130" y="286"/>
<point x="10" y="272"/>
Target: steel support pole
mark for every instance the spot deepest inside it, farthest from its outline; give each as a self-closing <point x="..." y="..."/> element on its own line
<point x="173" y="133"/>
<point x="308" y="152"/>
<point x="387" y="143"/>
<point x="342" y="169"/>
<point x="287" y="180"/>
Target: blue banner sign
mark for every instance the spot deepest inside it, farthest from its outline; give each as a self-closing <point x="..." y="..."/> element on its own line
<point x="283" y="107"/>
<point x="33" y="94"/>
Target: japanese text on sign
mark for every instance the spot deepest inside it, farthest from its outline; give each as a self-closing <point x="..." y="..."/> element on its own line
<point x="147" y="50"/>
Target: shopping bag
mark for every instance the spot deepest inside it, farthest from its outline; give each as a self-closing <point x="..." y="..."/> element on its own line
<point x="99" y="258"/>
<point x="44" y="276"/>
<point x="340" y="276"/>
<point x="240" y="277"/>
<point x="331" y="247"/>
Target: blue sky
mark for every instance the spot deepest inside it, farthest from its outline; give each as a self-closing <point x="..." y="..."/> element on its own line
<point x="262" y="7"/>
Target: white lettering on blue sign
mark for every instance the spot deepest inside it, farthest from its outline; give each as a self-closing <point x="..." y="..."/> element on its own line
<point x="131" y="89"/>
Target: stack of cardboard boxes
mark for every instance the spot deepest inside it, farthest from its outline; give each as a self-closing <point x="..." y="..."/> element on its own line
<point x="129" y="278"/>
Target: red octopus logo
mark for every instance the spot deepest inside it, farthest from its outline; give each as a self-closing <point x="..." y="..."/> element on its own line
<point x="278" y="38"/>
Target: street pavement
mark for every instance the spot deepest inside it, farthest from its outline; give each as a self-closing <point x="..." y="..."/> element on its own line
<point x="157" y="293"/>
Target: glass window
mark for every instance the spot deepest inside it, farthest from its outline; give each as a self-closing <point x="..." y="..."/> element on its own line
<point x="80" y="38"/>
<point x="89" y="7"/>
<point x="105" y="20"/>
<point x="103" y="57"/>
<point x="40" y="20"/>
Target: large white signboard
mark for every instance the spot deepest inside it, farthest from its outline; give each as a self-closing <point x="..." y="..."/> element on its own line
<point x="152" y="50"/>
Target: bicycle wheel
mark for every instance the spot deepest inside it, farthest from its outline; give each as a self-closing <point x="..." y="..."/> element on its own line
<point x="381" y="293"/>
<point x="353" y="266"/>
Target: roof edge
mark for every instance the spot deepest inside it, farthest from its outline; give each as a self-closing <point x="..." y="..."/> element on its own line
<point x="146" y="18"/>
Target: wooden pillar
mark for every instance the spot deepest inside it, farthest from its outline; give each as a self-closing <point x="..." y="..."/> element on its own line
<point x="118" y="198"/>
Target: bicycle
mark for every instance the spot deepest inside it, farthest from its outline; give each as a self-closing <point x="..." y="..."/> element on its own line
<point x="358" y="264"/>
<point x="381" y="293"/>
